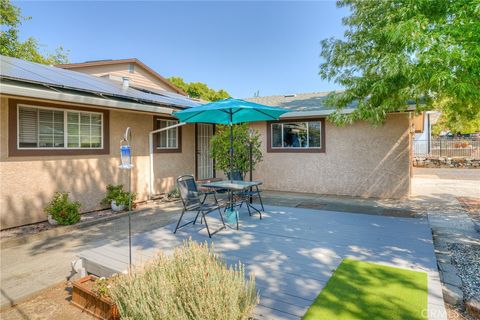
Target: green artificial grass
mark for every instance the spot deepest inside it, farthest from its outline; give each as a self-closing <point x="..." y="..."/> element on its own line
<point x="362" y="290"/>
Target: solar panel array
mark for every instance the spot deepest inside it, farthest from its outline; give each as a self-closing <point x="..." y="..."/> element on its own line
<point x="17" y="69"/>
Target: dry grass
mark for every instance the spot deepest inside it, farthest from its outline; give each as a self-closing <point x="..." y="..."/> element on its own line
<point x="193" y="283"/>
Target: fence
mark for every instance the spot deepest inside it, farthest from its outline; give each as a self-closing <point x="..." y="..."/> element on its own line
<point x="451" y="148"/>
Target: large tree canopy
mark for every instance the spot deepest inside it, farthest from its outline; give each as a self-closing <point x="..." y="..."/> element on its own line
<point x="394" y="51"/>
<point x="12" y="46"/>
<point x="199" y="90"/>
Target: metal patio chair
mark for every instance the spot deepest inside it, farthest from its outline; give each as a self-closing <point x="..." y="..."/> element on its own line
<point x="191" y="202"/>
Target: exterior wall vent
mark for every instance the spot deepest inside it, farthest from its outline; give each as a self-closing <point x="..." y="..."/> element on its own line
<point x="125" y="82"/>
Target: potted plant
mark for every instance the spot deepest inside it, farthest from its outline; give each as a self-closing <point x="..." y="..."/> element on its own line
<point x="173" y="195"/>
<point x="92" y="295"/>
<point x="116" y="198"/>
<point x="62" y="211"/>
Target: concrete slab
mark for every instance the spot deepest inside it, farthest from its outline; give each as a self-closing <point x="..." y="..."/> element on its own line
<point x="293" y="252"/>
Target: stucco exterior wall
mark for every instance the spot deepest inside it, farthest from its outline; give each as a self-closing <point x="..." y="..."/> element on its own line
<point x="359" y="161"/>
<point x="28" y="183"/>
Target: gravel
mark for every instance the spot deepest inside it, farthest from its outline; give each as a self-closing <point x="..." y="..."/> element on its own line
<point x="466" y="258"/>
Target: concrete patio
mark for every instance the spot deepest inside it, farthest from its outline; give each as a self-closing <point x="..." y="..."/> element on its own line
<point x="292" y="252"/>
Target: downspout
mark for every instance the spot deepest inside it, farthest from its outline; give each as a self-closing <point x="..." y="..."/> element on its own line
<point x="150" y="142"/>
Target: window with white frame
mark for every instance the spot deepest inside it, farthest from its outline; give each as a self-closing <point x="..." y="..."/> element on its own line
<point x="296" y="134"/>
<point x="53" y="128"/>
<point x="167" y="139"/>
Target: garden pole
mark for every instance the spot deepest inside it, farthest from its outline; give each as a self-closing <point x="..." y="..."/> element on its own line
<point x="251" y="167"/>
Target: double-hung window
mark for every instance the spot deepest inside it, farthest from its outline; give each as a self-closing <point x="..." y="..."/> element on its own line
<point x="54" y="128"/>
<point x="168" y="140"/>
<point x="296" y="136"/>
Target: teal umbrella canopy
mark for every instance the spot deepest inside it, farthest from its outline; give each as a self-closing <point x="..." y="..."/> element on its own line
<point x="229" y="111"/>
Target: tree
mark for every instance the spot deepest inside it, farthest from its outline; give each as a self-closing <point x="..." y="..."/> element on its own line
<point x="10" y="44"/>
<point x="199" y="90"/>
<point x="394" y="51"/>
<point x="220" y="148"/>
<point x="450" y="122"/>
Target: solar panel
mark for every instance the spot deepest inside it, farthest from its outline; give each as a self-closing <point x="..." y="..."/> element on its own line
<point x="17" y="69"/>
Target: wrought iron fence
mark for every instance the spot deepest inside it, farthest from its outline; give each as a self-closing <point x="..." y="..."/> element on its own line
<point x="463" y="147"/>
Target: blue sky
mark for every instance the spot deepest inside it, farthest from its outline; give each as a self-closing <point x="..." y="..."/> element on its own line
<point x="273" y="47"/>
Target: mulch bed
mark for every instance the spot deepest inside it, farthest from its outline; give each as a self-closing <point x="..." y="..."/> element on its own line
<point x="471" y="205"/>
<point x="42" y="226"/>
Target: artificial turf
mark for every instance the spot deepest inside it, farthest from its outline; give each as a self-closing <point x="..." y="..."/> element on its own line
<point x="363" y="290"/>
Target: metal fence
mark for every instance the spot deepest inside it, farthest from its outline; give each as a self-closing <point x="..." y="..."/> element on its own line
<point x="463" y="147"/>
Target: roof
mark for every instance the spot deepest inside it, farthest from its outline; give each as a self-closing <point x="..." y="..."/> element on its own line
<point x="301" y="104"/>
<point x="307" y="104"/>
<point x="21" y="72"/>
<point x="120" y="61"/>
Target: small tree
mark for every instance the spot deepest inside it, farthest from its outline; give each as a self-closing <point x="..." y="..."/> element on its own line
<point x="220" y="148"/>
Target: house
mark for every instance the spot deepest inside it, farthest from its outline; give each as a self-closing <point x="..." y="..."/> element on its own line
<point x="139" y="75"/>
<point x="353" y="160"/>
<point x="61" y="131"/>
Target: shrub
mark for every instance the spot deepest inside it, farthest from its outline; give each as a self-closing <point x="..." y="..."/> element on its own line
<point x="220" y="148"/>
<point x="63" y="210"/>
<point x="116" y="193"/>
<point x="193" y="283"/>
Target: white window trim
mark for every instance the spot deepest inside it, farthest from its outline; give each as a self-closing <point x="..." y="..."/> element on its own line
<point x="295" y="148"/>
<point x="167" y="133"/>
<point x="65" y="127"/>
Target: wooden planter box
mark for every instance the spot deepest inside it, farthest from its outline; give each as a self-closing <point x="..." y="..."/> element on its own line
<point x="86" y="299"/>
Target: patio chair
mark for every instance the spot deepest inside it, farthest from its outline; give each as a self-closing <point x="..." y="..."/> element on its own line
<point x="246" y="195"/>
<point x="191" y="202"/>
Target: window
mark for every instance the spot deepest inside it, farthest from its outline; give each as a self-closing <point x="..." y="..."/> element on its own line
<point x="296" y="136"/>
<point x="169" y="140"/>
<point x="131" y="68"/>
<point x="44" y="128"/>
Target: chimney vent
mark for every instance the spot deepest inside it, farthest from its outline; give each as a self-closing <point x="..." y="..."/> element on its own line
<point x="125" y="82"/>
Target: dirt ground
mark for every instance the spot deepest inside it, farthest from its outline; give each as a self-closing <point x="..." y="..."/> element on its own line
<point x="50" y="304"/>
<point x="54" y="304"/>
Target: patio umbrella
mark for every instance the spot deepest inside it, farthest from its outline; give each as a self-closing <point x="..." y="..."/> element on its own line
<point x="229" y="112"/>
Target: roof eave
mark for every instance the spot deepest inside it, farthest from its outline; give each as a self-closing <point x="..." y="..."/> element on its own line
<point x="29" y="92"/>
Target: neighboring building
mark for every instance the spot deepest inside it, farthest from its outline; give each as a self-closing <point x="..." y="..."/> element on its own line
<point x="61" y="131"/>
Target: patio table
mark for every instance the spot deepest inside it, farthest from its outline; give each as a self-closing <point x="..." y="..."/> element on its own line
<point x="235" y="185"/>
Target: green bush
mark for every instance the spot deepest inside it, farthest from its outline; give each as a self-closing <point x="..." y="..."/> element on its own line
<point x="220" y="148"/>
<point x="116" y="193"/>
<point x="61" y="209"/>
<point x="193" y="283"/>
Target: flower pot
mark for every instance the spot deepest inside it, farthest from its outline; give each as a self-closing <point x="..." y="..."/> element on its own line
<point x="52" y="221"/>
<point x="117" y="208"/>
<point x="86" y="299"/>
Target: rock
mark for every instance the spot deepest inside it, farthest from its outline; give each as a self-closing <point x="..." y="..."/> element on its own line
<point x="473" y="308"/>
<point x="451" y="278"/>
<point x="452" y="295"/>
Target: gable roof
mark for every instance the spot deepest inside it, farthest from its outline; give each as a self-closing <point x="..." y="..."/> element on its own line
<point x="121" y="61"/>
<point x="16" y="73"/>
<point x="301" y="104"/>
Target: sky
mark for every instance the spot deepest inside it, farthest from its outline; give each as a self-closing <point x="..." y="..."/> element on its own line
<point x="242" y="47"/>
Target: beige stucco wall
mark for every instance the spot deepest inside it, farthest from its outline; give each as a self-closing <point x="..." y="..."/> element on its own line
<point x="140" y="77"/>
<point x="359" y="161"/>
<point x="28" y="183"/>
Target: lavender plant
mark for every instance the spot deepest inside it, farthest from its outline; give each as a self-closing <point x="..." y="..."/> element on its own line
<point x="192" y="283"/>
